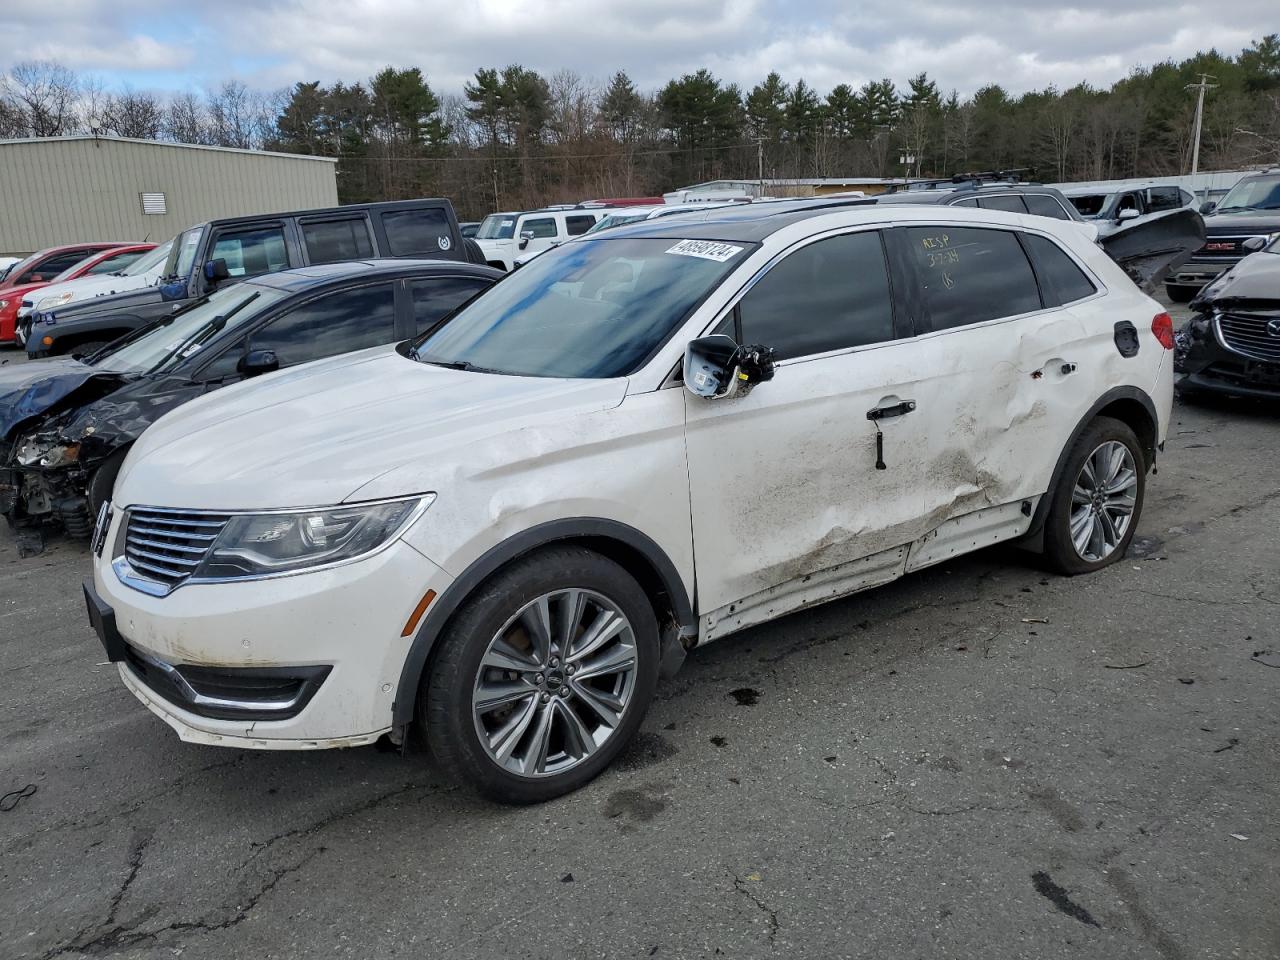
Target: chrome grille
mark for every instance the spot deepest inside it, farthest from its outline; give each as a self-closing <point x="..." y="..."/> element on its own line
<point x="1235" y="252"/>
<point x="168" y="545"/>
<point x="1248" y="335"/>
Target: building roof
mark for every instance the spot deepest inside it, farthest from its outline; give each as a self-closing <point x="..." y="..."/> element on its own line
<point x="167" y="143"/>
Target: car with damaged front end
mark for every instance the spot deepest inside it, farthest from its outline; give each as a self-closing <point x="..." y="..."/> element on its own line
<point x="1231" y="344"/>
<point x="641" y="442"/>
<point x="67" y="424"/>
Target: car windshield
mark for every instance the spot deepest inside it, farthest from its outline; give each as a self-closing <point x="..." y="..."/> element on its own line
<point x="1090" y="205"/>
<point x="167" y="343"/>
<point x="497" y="226"/>
<point x="616" y="220"/>
<point x="183" y="254"/>
<point x="148" y="261"/>
<point x="590" y="309"/>
<point x="1260" y="193"/>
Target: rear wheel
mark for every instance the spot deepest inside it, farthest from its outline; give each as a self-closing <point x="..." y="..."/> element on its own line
<point x="1098" y="500"/>
<point x="542" y="676"/>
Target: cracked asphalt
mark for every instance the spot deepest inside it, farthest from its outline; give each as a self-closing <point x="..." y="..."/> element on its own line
<point x="981" y="760"/>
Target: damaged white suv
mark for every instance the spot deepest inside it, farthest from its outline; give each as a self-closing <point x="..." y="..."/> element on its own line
<point x="507" y="529"/>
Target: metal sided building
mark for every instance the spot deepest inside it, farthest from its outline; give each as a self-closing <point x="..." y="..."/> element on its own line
<point x="56" y="190"/>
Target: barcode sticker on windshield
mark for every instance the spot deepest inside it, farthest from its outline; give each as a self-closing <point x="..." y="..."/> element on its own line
<point x="705" y="250"/>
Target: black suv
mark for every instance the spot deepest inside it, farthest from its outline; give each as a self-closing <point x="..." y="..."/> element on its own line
<point x="997" y="190"/>
<point x="212" y="254"/>
<point x="1243" y="223"/>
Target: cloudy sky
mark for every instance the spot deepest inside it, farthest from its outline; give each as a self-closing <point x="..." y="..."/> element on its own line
<point x="181" y="44"/>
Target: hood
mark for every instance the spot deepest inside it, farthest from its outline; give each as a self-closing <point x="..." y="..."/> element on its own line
<point x="1151" y="247"/>
<point x="32" y="390"/>
<point x="1257" y="222"/>
<point x="318" y="433"/>
<point x="84" y="288"/>
<point x="108" y="304"/>
<point x="102" y="426"/>
<point x="1253" y="282"/>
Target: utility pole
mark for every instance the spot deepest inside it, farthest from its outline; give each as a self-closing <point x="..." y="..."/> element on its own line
<point x="760" y="163"/>
<point x="1202" y="86"/>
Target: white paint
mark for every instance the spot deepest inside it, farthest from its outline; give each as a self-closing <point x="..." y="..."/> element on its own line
<point x="765" y="503"/>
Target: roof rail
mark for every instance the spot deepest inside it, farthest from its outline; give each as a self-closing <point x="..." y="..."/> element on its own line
<point x="966" y="180"/>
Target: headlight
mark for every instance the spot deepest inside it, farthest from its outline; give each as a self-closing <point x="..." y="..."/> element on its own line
<point x="32" y="451"/>
<point x="262" y="544"/>
<point x="3" y="304"/>
<point x="48" y="303"/>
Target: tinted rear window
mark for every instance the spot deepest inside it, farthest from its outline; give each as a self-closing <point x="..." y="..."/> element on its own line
<point x="418" y="233"/>
<point x="1043" y="205"/>
<point x="1003" y="201"/>
<point x="331" y="241"/>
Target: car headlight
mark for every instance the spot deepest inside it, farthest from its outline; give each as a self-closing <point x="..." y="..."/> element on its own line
<point x="33" y="450"/>
<point x="263" y="544"/>
<point x="48" y="303"/>
<point x="3" y="304"/>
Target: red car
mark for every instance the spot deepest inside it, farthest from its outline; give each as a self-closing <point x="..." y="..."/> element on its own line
<point x="61" y="263"/>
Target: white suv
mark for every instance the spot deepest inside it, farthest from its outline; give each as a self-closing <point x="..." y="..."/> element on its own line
<point x="507" y="529"/>
<point x="505" y="236"/>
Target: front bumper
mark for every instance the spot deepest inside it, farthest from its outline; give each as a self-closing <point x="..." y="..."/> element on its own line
<point x="1199" y="273"/>
<point x="1204" y="363"/>
<point x="340" y="628"/>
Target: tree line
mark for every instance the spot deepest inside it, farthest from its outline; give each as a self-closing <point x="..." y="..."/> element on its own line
<point x="516" y="138"/>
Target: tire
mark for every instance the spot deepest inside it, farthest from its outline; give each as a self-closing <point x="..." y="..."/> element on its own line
<point x="543" y="687"/>
<point x="1180" y="294"/>
<point x="103" y="481"/>
<point x="1107" y="543"/>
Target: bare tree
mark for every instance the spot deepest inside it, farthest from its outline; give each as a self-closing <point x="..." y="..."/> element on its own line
<point x="135" y="114"/>
<point x="45" y="96"/>
<point x="185" y="120"/>
<point x="231" y="115"/>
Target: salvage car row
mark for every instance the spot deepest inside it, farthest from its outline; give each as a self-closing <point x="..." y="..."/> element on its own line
<point x="498" y="511"/>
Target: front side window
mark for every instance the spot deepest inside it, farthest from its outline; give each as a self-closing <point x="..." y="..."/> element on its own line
<point x="331" y="324"/>
<point x="436" y="297"/>
<point x="828" y="295"/>
<point x="252" y="252"/>
<point x="969" y="274"/>
<point x="539" y="229"/>
<point x="1010" y="202"/>
<point x="577" y="225"/>
<point x="417" y="233"/>
<point x="1061" y="281"/>
<point x="1043" y="205"/>
<point x="594" y="309"/>
<point x="332" y="241"/>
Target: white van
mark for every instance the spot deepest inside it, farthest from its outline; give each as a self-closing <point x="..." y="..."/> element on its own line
<point x="504" y="236"/>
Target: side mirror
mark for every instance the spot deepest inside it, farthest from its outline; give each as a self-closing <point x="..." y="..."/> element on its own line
<point x="174" y="290"/>
<point x="257" y="362"/>
<point x="216" y="270"/>
<point x="715" y="367"/>
<point x="1129" y="214"/>
<point x="1208" y="207"/>
<point x="525" y="237"/>
<point x="1254" y="244"/>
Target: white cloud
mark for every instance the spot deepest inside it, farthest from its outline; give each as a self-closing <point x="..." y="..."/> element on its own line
<point x="1021" y="44"/>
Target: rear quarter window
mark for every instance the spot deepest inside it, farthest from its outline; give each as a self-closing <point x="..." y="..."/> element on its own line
<point x="418" y="233"/>
<point x="1061" y="281"/>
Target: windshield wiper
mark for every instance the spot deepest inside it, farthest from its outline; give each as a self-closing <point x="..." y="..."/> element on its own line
<point x="450" y="364"/>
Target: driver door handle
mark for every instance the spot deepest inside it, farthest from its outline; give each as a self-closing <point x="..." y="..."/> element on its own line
<point x="894" y="410"/>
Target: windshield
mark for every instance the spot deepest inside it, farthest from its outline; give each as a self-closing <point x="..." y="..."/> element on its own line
<point x="617" y="220"/>
<point x="1260" y="193"/>
<point x="1090" y="204"/>
<point x="148" y="261"/>
<point x="591" y="309"/>
<point x="497" y="226"/>
<point x="183" y="255"/>
<point x="175" y="338"/>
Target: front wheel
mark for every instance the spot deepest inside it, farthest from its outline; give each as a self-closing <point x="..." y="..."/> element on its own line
<point x="1180" y="294"/>
<point x="542" y="676"/>
<point x="1096" y="504"/>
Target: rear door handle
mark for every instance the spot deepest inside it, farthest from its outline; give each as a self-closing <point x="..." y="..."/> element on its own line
<point x="894" y="410"/>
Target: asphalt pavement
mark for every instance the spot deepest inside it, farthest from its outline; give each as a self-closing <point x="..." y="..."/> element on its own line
<point x="979" y="761"/>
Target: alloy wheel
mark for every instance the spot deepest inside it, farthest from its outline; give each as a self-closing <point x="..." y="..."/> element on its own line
<point x="1103" y="500"/>
<point x="554" y="682"/>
